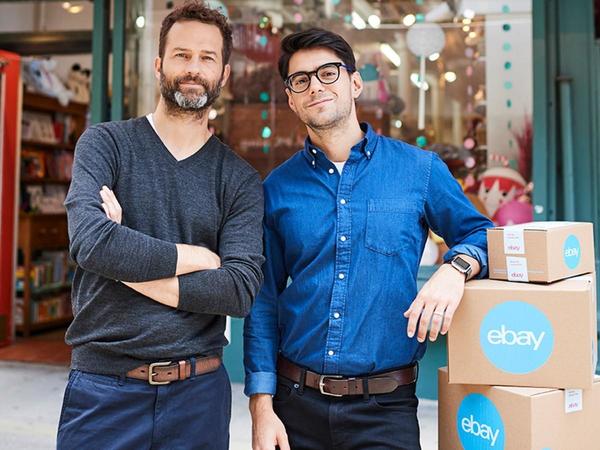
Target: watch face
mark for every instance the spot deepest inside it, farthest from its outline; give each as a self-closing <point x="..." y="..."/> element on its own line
<point x="462" y="263"/>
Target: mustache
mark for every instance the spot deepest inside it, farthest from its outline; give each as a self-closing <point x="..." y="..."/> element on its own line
<point x="192" y="79"/>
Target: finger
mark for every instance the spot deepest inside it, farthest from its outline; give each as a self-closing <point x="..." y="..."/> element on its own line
<point x="413" y="316"/>
<point x="111" y="209"/>
<point x="437" y="319"/>
<point x="282" y="441"/>
<point x="424" y="322"/>
<point x="448" y="316"/>
<point x="106" y="202"/>
<point x="113" y="200"/>
<point x="113" y="197"/>
<point x="106" y="210"/>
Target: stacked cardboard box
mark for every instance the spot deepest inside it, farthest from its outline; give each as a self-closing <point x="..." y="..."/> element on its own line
<point x="522" y="356"/>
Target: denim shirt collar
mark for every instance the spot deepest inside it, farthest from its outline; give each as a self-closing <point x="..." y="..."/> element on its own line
<point x="365" y="148"/>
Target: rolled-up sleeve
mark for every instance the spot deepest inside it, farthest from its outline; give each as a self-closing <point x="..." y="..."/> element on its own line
<point x="450" y="214"/>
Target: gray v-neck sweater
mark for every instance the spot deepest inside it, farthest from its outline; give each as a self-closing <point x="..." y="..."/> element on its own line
<point x="212" y="199"/>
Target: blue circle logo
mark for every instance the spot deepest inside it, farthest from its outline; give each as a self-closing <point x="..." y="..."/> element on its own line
<point x="479" y="424"/>
<point x="516" y="337"/>
<point x="572" y="252"/>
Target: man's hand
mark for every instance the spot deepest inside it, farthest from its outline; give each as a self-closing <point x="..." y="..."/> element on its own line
<point x="267" y="429"/>
<point x="111" y="206"/>
<point x="437" y="301"/>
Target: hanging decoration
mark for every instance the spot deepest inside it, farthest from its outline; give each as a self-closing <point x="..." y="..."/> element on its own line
<point x="423" y="40"/>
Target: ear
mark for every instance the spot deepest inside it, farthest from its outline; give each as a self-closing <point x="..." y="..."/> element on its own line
<point x="157" y="63"/>
<point x="226" y="73"/>
<point x="291" y="100"/>
<point x="356" y="84"/>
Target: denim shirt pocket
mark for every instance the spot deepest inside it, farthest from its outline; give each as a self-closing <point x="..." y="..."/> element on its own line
<point x="391" y="225"/>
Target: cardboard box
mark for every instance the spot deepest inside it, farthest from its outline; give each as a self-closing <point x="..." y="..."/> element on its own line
<point x="540" y="251"/>
<point x="512" y="418"/>
<point x="519" y="334"/>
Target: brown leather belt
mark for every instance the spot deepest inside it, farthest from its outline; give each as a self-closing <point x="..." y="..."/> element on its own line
<point x="338" y="386"/>
<point x="166" y="372"/>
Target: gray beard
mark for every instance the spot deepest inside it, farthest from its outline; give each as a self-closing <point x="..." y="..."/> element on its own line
<point x="191" y="103"/>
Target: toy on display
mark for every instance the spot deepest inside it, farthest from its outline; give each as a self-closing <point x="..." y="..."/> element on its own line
<point x="499" y="186"/>
<point x="39" y="76"/>
<point x="79" y="83"/>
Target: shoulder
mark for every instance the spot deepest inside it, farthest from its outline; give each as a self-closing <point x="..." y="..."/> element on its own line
<point x="234" y="170"/>
<point x="397" y="147"/>
<point x="112" y="132"/>
<point x="283" y="172"/>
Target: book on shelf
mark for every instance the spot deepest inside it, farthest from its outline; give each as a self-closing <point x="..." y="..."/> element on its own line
<point x="52" y="269"/>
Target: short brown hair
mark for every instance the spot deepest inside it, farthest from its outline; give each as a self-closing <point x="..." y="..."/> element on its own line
<point x="198" y="11"/>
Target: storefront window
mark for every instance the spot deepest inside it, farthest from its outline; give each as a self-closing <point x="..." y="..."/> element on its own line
<point x="450" y="77"/>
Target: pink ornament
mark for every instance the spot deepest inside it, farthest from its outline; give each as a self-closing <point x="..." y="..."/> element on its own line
<point x="298" y="2"/>
<point x="298" y="18"/>
<point x="513" y="213"/>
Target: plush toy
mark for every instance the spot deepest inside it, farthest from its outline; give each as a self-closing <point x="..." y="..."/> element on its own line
<point x="79" y="83"/>
<point x="499" y="185"/>
<point x="39" y="76"/>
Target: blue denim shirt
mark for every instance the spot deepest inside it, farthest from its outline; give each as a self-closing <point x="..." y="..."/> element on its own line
<point x="351" y="245"/>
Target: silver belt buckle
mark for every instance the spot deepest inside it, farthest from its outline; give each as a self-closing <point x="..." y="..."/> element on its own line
<point x="322" y="385"/>
<point x="152" y="374"/>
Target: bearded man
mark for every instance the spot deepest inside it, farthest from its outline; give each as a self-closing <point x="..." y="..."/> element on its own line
<point x="160" y="268"/>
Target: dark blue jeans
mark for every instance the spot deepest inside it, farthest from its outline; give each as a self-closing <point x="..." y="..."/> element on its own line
<point x="108" y="412"/>
<point x="315" y="421"/>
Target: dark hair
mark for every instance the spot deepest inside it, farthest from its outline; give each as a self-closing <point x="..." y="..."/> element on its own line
<point x="314" y="38"/>
<point x="198" y="11"/>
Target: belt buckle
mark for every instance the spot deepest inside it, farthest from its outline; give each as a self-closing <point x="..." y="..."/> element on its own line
<point x="322" y="385"/>
<point x="152" y="374"/>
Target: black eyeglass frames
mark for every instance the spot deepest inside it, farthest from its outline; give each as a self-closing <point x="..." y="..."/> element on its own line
<point x="329" y="73"/>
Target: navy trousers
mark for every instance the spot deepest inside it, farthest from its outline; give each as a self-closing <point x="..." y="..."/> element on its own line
<point x="314" y="421"/>
<point x="109" y="412"/>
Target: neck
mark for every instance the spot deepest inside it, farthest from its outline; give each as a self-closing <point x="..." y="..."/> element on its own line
<point x="337" y="142"/>
<point x="180" y="132"/>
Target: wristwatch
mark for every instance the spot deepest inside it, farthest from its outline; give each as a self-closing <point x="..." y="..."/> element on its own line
<point x="462" y="266"/>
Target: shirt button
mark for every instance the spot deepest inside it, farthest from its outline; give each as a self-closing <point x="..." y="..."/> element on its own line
<point x="331" y="171"/>
<point x="343" y="201"/>
<point x="314" y="151"/>
<point x="343" y="239"/>
<point x="330" y="352"/>
<point x="336" y="315"/>
<point x="368" y="154"/>
<point x="341" y="276"/>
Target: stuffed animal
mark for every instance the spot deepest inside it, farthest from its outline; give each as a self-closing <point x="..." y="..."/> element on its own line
<point x="39" y="76"/>
<point x="79" y="83"/>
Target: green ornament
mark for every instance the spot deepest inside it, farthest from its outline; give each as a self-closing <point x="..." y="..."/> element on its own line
<point x="266" y="133"/>
<point x="421" y="141"/>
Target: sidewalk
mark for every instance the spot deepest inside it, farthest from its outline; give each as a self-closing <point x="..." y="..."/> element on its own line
<point x="31" y="397"/>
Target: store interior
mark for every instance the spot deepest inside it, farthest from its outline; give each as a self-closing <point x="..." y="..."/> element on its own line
<point x="452" y="77"/>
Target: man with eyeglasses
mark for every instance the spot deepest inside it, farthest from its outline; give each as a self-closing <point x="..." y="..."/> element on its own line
<point x="333" y="339"/>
